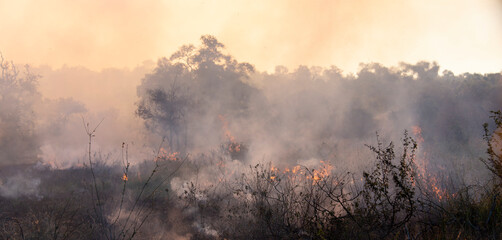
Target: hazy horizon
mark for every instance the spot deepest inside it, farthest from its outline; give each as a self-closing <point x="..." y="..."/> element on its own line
<point x="463" y="36"/>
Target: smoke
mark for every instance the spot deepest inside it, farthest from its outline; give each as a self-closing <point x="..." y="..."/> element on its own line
<point x="229" y="116"/>
<point x="201" y="99"/>
<point x="19" y="141"/>
<point x="122" y="33"/>
<point x="76" y="95"/>
<point x="313" y="112"/>
<point x="18" y="186"/>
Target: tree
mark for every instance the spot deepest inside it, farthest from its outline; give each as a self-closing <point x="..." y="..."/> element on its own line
<point x="18" y="94"/>
<point x="190" y="89"/>
<point x="388" y="201"/>
<point x="494" y="150"/>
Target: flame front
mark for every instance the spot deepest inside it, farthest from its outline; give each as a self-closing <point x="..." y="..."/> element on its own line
<point x="298" y="172"/>
<point x="166" y="155"/>
<point x="430" y="181"/>
<point x="233" y="146"/>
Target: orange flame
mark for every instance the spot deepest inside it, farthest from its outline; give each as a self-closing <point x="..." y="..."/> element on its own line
<point x="228" y="134"/>
<point x="273" y="172"/>
<point x="417" y="131"/>
<point x="166" y="155"/>
<point x="233" y="146"/>
<point x="430" y="180"/>
<point x="318" y="175"/>
<point x="297" y="172"/>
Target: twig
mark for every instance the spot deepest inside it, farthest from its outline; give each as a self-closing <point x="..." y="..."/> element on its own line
<point x="90" y="134"/>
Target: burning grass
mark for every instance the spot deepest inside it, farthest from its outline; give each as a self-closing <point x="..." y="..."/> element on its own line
<point x="399" y="197"/>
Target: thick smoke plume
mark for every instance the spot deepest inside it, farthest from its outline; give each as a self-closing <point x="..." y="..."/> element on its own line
<point x="203" y="120"/>
<point x="19" y="142"/>
<point x="201" y="97"/>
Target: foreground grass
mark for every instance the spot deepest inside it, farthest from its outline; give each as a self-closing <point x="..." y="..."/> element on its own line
<point x="161" y="199"/>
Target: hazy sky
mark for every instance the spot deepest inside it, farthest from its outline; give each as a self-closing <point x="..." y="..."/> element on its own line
<point x="461" y="35"/>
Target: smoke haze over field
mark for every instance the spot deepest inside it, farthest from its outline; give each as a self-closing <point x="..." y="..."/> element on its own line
<point x="290" y="119"/>
<point x="280" y="107"/>
<point x="201" y="98"/>
<point x="79" y="92"/>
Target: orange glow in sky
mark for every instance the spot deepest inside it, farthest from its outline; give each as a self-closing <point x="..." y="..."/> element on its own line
<point x="461" y="35"/>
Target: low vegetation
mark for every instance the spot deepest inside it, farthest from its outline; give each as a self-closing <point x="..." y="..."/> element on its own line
<point x="120" y="201"/>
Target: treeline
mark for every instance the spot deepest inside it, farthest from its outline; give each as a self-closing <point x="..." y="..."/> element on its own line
<point x="253" y="155"/>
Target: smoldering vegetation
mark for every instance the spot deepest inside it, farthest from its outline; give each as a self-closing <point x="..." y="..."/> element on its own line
<point x="212" y="148"/>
